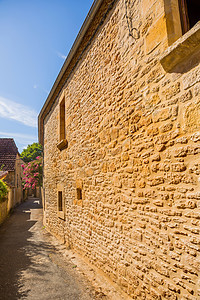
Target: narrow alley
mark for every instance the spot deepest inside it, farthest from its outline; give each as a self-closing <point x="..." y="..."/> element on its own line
<point x="32" y="266"/>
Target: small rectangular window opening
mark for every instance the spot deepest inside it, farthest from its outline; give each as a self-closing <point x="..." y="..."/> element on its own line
<point x="189" y="13"/>
<point x="62" y="120"/>
<point x="79" y="194"/>
<point x="60" y="201"/>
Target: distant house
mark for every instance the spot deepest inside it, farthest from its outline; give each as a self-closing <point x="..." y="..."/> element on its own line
<point x="10" y="161"/>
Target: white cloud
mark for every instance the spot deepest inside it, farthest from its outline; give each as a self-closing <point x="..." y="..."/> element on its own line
<point x="61" y="55"/>
<point x="18" y="112"/>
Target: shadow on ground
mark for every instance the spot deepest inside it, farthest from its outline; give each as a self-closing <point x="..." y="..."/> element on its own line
<point x="17" y="249"/>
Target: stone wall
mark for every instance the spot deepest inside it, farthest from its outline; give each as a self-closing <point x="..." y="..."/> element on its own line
<point x="18" y="181"/>
<point x="7" y="205"/>
<point x="15" y="195"/>
<point x="134" y="152"/>
<point x="3" y="211"/>
<point x="10" y="178"/>
<point x="14" y="180"/>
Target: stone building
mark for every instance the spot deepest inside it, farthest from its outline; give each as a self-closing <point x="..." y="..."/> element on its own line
<point x="120" y="130"/>
<point x="10" y="161"/>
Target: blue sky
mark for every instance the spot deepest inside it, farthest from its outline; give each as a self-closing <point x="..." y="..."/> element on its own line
<point x="35" y="38"/>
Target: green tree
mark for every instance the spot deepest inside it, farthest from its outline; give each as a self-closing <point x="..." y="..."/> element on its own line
<point x="31" y="152"/>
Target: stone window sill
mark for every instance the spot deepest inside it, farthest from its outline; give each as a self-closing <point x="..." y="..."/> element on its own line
<point x="63" y="144"/>
<point x="61" y="215"/>
<point x="181" y="49"/>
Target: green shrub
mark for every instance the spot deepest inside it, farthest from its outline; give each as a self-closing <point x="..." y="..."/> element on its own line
<point x="3" y="191"/>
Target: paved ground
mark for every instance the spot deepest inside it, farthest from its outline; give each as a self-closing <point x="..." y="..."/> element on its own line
<point x="31" y="266"/>
<point x="35" y="266"/>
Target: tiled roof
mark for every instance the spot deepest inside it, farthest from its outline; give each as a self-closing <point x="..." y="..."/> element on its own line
<point x="8" y="152"/>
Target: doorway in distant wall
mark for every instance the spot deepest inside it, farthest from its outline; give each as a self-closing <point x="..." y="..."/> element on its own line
<point x="189" y="13"/>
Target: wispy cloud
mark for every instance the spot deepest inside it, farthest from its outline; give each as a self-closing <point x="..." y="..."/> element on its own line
<point x="18" y="112"/>
<point x="18" y="135"/>
<point x="61" y="55"/>
<point x="36" y="87"/>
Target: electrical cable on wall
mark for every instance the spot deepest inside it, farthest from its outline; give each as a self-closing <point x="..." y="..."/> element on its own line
<point x="133" y="31"/>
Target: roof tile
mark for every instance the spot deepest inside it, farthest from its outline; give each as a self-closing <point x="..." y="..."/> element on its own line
<point x="8" y="152"/>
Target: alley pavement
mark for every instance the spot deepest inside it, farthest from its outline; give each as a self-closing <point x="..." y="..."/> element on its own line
<point x="31" y="267"/>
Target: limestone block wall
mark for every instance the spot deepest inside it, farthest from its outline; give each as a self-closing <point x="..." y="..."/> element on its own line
<point x="10" y="178"/>
<point x="3" y="211"/>
<point x="18" y="180"/>
<point x="134" y="152"/>
<point x="7" y="205"/>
